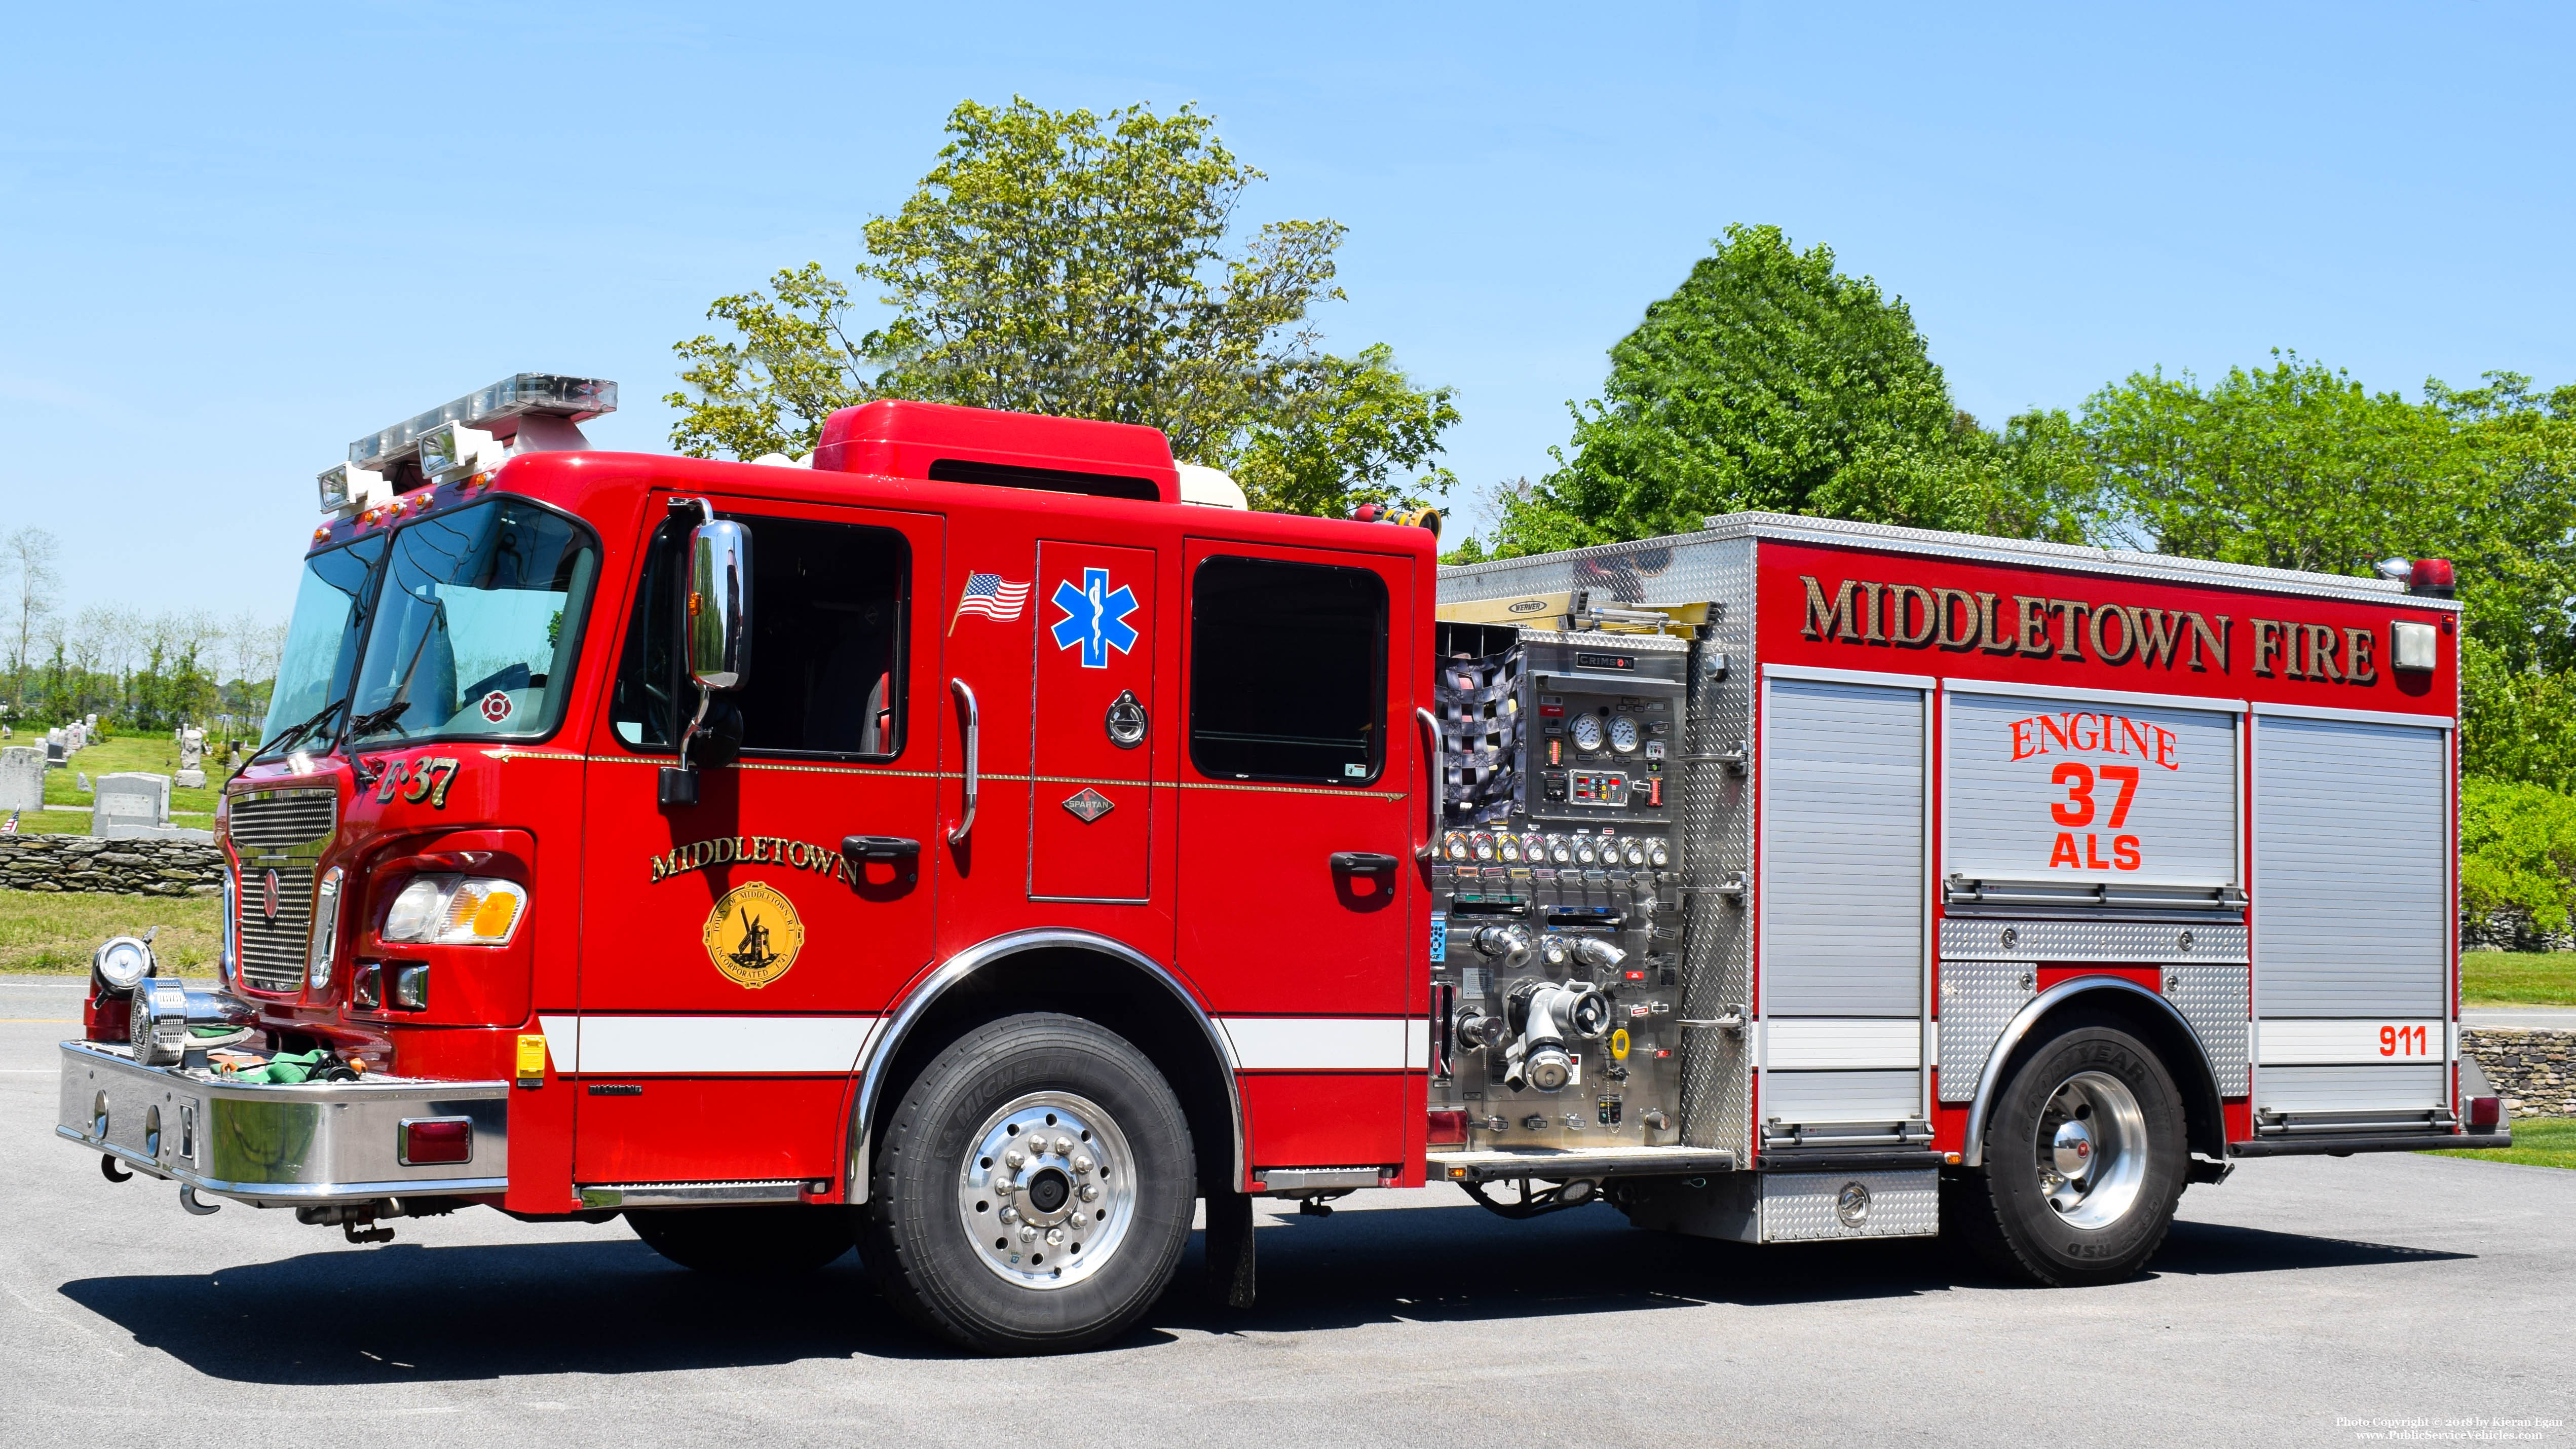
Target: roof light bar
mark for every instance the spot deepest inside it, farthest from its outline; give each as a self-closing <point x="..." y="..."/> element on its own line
<point x="529" y="394"/>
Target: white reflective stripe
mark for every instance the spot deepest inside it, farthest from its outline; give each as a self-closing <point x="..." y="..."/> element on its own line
<point x="718" y="1045"/>
<point x="1844" y="1043"/>
<point x="563" y="1040"/>
<point x="2355" y="716"/>
<point x="2351" y="1041"/>
<point x="1326" y="1043"/>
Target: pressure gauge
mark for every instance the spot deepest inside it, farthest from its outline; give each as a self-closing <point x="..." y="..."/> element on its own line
<point x="1583" y="852"/>
<point x="1508" y="848"/>
<point x="1635" y="855"/>
<point x="1623" y="735"/>
<point x="1655" y="853"/>
<point x="1587" y="732"/>
<point x="1484" y="848"/>
<point x="1558" y="851"/>
<point x="1457" y="847"/>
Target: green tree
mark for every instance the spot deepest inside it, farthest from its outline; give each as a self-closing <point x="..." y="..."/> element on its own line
<point x="1079" y="265"/>
<point x="1345" y="434"/>
<point x="1771" y="380"/>
<point x="2517" y="851"/>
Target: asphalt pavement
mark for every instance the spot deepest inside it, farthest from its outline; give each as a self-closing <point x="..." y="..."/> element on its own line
<point x="2405" y="1298"/>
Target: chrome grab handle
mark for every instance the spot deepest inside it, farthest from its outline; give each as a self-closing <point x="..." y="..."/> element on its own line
<point x="1439" y="774"/>
<point x="974" y="734"/>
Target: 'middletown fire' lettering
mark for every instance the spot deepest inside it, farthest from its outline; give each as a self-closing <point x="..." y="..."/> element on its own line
<point x="751" y="850"/>
<point x="1910" y="616"/>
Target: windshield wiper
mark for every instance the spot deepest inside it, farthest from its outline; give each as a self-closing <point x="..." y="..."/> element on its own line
<point x="295" y="732"/>
<point x="376" y="719"/>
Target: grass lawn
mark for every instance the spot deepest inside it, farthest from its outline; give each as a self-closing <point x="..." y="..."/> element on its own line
<point x="2514" y="978"/>
<point x="55" y="932"/>
<point x="151" y="754"/>
<point x="2537" y="1142"/>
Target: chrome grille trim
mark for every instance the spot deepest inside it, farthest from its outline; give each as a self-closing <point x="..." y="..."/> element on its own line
<point x="263" y="821"/>
<point x="286" y="831"/>
<point x="273" y="952"/>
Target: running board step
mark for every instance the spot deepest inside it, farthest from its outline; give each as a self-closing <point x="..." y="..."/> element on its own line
<point x="695" y="1194"/>
<point x="1495" y="1165"/>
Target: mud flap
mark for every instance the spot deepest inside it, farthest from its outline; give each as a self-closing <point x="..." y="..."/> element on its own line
<point x="1229" y="1249"/>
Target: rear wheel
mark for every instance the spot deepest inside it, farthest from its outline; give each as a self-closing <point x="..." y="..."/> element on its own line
<point x="1033" y="1190"/>
<point x="2084" y="1161"/>
<point x="788" y="1238"/>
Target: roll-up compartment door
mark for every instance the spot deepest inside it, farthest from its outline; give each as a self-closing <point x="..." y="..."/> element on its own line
<point x="2352" y="914"/>
<point x="1843" y="898"/>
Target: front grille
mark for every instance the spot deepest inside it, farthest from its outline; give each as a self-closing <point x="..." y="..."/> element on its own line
<point x="273" y="951"/>
<point x="284" y="831"/>
<point x="267" y="820"/>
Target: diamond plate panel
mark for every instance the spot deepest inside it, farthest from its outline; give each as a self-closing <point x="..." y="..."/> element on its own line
<point x="2214" y="1000"/>
<point x="2137" y="942"/>
<point x="1716" y="845"/>
<point x="1978" y="999"/>
<point x="1804" y="1207"/>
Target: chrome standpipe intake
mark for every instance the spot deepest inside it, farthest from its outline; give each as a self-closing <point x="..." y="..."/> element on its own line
<point x="1547" y="1013"/>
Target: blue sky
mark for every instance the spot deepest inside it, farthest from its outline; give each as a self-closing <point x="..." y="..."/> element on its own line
<point x="230" y="241"/>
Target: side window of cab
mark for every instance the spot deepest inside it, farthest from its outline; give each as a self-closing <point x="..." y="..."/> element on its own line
<point x="827" y="646"/>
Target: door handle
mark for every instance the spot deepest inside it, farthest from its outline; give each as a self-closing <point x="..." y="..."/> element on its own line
<point x="1363" y="862"/>
<point x="860" y="848"/>
<point x="974" y="774"/>
<point x="1433" y="786"/>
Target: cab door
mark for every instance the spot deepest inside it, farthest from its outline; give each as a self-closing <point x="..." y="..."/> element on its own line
<point x="735" y="959"/>
<point x="1297" y="881"/>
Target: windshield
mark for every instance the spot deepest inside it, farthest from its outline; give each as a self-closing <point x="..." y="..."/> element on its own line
<point x="321" y="644"/>
<point x="476" y="628"/>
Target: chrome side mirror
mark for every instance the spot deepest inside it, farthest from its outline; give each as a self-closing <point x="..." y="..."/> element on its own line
<point x="719" y="605"/>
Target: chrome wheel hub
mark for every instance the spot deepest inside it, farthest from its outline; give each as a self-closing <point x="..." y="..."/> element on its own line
<point x="1047" y="1190"/>
<point x="2091" y="1150"/>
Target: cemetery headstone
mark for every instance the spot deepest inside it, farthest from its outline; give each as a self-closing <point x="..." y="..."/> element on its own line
<point x="22" y="778"/>
<point x="131" y="805"/>
<point x="192" y="758"/>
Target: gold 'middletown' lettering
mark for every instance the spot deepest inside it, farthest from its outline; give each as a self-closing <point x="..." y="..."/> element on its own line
<point x="1912" y="616"/>
<point x="750" y="850"/>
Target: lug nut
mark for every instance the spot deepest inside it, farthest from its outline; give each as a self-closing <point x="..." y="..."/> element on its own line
<point x="1012" y="1158"/>
<point x="1028" y="1234"/>
<point x="1082" y="1164"/>
<point x="1055" y="1237"/>
<point x="1063" y="1145"/>
<point x="1010" y="1214"/>
<point x="1091" y="1192"/>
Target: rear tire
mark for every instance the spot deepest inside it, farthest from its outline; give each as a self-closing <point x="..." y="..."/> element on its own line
<point x="1033" y="1190"/>
<point x="757" y="1240"/>
<point x="2083" y="1161"/>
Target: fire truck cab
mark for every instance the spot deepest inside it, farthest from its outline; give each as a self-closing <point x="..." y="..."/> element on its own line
<point x="986" y="840"/>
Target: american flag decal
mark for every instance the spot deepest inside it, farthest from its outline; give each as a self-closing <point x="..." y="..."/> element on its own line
<point x="992" y="596"/>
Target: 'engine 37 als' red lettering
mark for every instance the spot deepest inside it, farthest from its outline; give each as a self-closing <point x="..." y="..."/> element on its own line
<point x="984" y="842"/>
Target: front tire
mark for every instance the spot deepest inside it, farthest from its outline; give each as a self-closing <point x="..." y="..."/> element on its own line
<point x="2083" y="1161"/>
<point x="750" y="1240"/>
<point x="1033" y="1190"/>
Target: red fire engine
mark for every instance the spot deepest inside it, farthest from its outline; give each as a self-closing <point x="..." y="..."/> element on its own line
<point x="987" y="840"/>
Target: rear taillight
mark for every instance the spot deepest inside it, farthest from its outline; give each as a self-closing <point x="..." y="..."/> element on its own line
<point x="436" y="1140"/>
<point x="1448" y="1129"/>
<point x="2485" y="1113"/>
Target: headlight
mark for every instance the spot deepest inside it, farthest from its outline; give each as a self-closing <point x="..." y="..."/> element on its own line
<point x="326" y="928"/>
<point x="456" y="910"/>
<point x="122" y="962"/>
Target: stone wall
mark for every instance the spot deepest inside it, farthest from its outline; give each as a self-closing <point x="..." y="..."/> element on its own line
<point x="86" y="863"/>
<point x="2534" y="1071"/>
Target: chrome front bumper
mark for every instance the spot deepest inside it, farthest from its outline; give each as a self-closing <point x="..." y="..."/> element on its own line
<point x="277" y="1146"/>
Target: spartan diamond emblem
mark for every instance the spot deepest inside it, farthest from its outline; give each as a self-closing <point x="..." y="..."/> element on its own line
<point x="1090" y="805"/>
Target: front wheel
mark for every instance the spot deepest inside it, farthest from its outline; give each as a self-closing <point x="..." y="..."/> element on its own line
<point x="2084" y="1161"/>
<point x="1033" y="1190"/>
